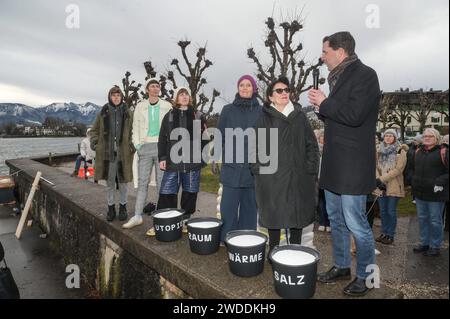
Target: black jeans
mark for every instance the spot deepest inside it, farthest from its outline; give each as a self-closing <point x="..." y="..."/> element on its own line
<point x="295" y="237"/>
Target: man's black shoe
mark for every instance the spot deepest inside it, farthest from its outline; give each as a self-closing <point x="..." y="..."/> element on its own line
<point x="123" y="214"/>
<point x="111" y="215"/>
<point x="420" y="249"/>
<point x="432" y="252"/>
<point x="380" y="238"/>
<point x="387" y="240"/>
<point x="334" y="274"/>
<point x="356" y="288"/>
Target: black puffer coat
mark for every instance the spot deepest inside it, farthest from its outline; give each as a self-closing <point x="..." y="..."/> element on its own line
<point x="430" y="168"/>
<point x="286" y="198"/>
<point x="174" y="119"/>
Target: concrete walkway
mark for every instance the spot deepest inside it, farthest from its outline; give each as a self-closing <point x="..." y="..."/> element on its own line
<point x="37" y="270"/>
<point x="35" y="266"/>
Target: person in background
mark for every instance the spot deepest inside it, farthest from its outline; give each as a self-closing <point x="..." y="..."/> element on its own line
<point x="114" y="150"/>
<point x="238" y="204"/>
<point x="324" y="222"/>
<point x="446" y="209"/>
<point x="286" y="198"/>
<point x="391" y="161"/>
<point x="407" y="173"/>
<point x="87" y="154"/>
<point x="430" y="188"/>
<point x="147" y="121"/>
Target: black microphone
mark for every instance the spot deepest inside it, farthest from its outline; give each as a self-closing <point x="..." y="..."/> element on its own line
<point x="316" y="75"/>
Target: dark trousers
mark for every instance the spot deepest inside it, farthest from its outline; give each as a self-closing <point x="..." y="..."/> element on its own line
<point x="295" y="237"/>
<point x="322" y="207"/>
<point x="446" y="208"/>
<point x="78" y="163"/>
<point x="371" y="215"/>
<point x="238" y="209"/>
<point x="188" y="202"/>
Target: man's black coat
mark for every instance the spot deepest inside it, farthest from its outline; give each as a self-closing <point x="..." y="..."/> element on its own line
<point x="350" y="114"/>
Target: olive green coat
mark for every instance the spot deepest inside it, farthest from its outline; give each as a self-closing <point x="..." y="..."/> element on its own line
<point x="100" y="143"/>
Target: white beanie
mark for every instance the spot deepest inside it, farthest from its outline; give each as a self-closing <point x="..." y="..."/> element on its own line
<point x="392" y="132"/>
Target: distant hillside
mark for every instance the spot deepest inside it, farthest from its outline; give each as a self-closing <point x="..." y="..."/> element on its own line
<point x="24" y="114"/>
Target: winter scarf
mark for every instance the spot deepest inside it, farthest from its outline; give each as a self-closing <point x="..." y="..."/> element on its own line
<point x="388" y="156"/>
<point x="334" y="75"/>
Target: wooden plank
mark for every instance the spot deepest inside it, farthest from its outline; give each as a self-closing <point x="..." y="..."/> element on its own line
<point x="23" y="218"/>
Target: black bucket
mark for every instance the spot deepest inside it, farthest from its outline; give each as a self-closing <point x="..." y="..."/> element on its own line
<point x="168" y="228"/>
<point x="246" y="258"/>
<point x="204" y="235"/>
<point x="294" y="271"/>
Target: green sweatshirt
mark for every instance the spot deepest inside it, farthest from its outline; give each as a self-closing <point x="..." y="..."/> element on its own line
<point x="153" y="119"/>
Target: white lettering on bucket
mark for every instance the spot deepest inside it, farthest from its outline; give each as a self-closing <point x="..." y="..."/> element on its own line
<point x="168" y="228"/>
<point x="236" y="257"/>
<point x="289" y="280"/>
<point x="200" y="238"/>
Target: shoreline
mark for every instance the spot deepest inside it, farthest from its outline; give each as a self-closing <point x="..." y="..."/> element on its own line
<point x="46" y="136"/>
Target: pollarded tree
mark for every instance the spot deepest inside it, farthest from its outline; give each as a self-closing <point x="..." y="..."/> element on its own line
<point x="191" y="70"/>
<point x="398" y="111"/>
<point x="130" y="91"/>
<point x="285" y="50"/>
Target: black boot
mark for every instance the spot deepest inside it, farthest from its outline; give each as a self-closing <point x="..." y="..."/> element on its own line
<point x="420" y="249"/>
<point x="123" y="214"/>
<point x="380" y="238"/>
<point x="188" y="202"/>
<point x="167" y="201"/>
<point x="356" y="288"/>
<point x="111" y="215"/>
<point x="334" y="274"/>
<point x="432" y="252"/>
<point x="387" y="240"/>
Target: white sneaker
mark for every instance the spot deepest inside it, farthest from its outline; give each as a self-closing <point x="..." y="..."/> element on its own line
<point x="151" y="232"/>
<point x="328" y="229"/>
<point x="134" y="221"/>
<point x="321" y="228"/>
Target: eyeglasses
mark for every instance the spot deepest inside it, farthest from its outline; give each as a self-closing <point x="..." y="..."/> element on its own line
<point x="280" y="91"/>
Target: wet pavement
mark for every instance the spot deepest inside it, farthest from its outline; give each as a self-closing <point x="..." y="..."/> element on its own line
<point x="39" y="273"/>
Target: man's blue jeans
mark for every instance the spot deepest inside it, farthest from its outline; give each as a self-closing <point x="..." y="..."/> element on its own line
<point x="388" y="210"/>
<point x="430" y="222"/>
<point x="347" y="215"/>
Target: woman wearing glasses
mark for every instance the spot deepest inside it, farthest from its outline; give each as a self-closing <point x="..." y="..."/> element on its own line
<point x="285" y="196"/>
<point x="430" y="188"/>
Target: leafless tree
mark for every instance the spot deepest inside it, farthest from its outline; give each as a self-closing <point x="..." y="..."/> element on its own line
<point x="192" y="71"/>
<point x="130" y="91"/>
<point x="284" y="47"/>
<point x="397" y="112"/>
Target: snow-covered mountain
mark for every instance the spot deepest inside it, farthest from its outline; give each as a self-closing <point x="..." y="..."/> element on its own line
<point x="23" y="114"/>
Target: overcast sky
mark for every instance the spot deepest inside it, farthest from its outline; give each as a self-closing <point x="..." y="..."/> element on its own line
<point x="43" y="61"/>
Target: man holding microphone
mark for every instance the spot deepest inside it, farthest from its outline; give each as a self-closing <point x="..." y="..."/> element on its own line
<point x="350" y="114"/>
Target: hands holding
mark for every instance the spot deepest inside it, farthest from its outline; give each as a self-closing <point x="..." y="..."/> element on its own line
<point x="316" y="97"/>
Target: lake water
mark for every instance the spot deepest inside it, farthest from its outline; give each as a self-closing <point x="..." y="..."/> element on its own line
<point x="11" y="148"/>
